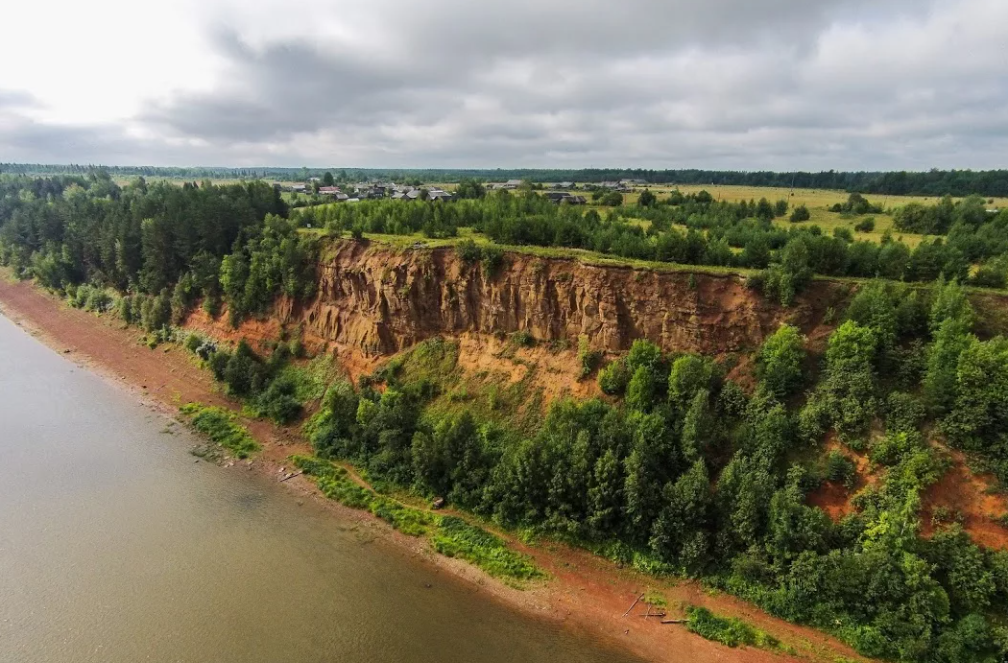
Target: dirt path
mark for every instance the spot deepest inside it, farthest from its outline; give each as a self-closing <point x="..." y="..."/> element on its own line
<point x="585" y="593"/>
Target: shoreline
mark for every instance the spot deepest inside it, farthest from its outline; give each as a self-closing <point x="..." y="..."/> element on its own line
<point x="584" y="594"/>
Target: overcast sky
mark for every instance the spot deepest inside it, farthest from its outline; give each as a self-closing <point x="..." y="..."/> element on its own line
<point x="737" y="84"/>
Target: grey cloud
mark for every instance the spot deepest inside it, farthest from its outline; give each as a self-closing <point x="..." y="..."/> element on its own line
<point x="658" y="83"/>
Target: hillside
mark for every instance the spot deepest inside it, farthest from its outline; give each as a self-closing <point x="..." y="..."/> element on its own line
<point x="829" y="448"/>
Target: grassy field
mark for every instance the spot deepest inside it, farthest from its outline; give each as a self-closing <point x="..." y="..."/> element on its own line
<point x="818" y="203"/>
<point x="812" y="198"/>
<point x="581" y="255"/>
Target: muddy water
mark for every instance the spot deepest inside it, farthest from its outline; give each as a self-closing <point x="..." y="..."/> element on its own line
<point x="116" y="547"/>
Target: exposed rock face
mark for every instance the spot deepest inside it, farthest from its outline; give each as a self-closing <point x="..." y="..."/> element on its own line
<point x="381" y="300"/>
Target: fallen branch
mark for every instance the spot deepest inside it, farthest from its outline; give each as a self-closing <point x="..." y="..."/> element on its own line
<point x="674" y="621"/>
<point x="659" y="613"/>
<point x="292" y="475"/>
<point x="634" y="605"/>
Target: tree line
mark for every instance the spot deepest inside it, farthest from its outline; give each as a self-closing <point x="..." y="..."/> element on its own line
<point x="934" y="182"/>
<point x="694" y="229"/>
<point x="167" y="247"/>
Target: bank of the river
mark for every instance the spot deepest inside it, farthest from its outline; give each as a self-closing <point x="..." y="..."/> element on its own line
<point x="584" y="592"/>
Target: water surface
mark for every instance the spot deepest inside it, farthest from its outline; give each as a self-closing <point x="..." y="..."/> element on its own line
<point x="116" y="547"/>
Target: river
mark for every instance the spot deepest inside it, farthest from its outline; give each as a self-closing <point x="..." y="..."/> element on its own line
<point x="115" y="546"/>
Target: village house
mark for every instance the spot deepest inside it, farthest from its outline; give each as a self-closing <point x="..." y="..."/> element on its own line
<point x="564" y="198"/>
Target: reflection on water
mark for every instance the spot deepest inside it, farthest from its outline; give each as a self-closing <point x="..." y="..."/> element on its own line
<point x="115" y="546"/>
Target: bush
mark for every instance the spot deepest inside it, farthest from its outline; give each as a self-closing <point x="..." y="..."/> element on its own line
<point x="279" y="402"/>
<point x="779" y="363"/>
<point x="155" y="312"/>
<point x="840" y="468"/>
<point x="193" y="343"/>
<point x="220" y="426"/>
<point x="800" y="213"/>
<point x="866" y="225"/>
<point x="729" y="631"/>
<point x="614" y="378"/>
<point x="588" y="359"/>
<point x="457" y="538"/>
<point x="468" y="251"/>
<point x="612" y="199"/>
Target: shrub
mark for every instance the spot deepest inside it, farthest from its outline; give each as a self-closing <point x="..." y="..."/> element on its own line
<point x="279" y="402"/>
<point x="800" y="213"/>
<point x="220" y="426"/>
<point x="613" y="379"/>
<point x="779" y="363"/>
<point x="468" y="251"/>
<point x="493" y="260"/>
<point x="155" y="312"/>
<point x="457" y="538"/>
<point x="865" y="225"/>
<point x="840" y="468"/>
<point x="588" y="359"/>
<point x="729" y="631"/>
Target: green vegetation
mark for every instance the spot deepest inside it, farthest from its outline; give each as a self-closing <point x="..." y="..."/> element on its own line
<point x="276" y="388"/>
<point x="682" y="229"/>
<point x="678" y="470"/>
<point x="170" y="247"/>
<point x="166" y="246"/>
<point x="457" y="538"/>
<point x="683" y="473"/>
<point x="222" y="428"/>
<point x="728" y="631"/>
<point x="780" y="361"/>
<point x="449" y="535"/>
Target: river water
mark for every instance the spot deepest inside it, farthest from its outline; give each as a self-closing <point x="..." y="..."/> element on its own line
<point x="115" y="546"/>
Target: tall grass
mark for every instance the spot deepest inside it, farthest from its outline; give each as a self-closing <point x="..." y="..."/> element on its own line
<point x="449" y="535"/>
<point x="729" y="631"/>
<point x="222" y="428"/>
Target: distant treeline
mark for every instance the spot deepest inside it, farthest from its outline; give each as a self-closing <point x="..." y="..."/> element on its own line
<point x="930" y="183"/>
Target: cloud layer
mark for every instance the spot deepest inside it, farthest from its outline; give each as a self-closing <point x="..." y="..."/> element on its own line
<point x="782" y="84"/>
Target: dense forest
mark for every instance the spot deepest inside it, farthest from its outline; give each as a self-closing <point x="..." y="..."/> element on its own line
<point x="677" y="469"/>
<point x="168" y="246"/>
<point x="931" y="183"/>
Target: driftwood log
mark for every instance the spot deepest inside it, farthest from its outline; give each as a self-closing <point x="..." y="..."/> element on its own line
<point x="633" y="605"/>
<point x="292" y="475"/>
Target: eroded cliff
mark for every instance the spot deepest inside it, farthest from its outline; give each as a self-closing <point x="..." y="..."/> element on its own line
<point x="380" y="300"/>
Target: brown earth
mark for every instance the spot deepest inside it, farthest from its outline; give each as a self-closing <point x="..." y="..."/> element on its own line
<point x="833" y="497"/>
<point x="961" y="495"/>
<point x="585" y="593"/>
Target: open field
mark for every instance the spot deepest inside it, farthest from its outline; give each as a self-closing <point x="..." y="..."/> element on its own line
<point x="812" y="198"/>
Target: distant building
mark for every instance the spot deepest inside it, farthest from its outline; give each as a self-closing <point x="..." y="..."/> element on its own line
<point x="329" y="190"/>
<point x="564" y="198"/>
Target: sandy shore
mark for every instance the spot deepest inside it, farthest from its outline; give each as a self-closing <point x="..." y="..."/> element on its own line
<point x="584" y="593"/>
